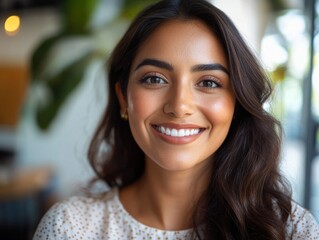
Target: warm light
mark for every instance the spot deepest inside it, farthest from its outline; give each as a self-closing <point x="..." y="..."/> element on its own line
<point x="12" y="25"/>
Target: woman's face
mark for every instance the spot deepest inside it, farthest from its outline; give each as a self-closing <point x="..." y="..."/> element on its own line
<point x="179" y="100"/>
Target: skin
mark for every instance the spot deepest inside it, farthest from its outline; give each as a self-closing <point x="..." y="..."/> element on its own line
<point x="178" y="80"/>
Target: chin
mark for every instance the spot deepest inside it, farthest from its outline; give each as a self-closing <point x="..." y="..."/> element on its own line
<point x="182" y="164"/>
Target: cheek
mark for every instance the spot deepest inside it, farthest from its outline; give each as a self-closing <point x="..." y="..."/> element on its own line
<point x="141" y="104"/>
<point x="220" y="110"/>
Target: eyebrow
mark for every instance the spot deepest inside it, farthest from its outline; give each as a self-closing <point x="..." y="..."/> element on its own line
<point x="156" y="63"/>
<point x="169" y="67"/>
<point x="209" y="67"/>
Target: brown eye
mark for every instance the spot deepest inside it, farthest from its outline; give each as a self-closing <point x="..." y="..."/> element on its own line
<point x="208" y="84"/>
<point x="153" y="80"/>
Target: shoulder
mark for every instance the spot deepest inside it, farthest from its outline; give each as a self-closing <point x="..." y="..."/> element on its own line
<point x="75" y="217"/>
<point x="301" y="224"/>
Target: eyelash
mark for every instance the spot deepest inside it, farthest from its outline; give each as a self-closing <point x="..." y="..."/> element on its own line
<point x="214" y="83"/>
<point x="160" y="80"/>
<point x="147" y="80"/>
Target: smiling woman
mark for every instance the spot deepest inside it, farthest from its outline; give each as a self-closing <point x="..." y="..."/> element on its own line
<point x="179" y="85"/>
<point x="191" y="152"/>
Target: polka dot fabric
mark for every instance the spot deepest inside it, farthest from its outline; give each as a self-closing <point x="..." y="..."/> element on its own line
<point x="98" y="218"/>
<point x="302" y="225"/>
<point x="104" y="217"/>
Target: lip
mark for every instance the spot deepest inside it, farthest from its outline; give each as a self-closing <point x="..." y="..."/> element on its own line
<point x="177" y="139"/>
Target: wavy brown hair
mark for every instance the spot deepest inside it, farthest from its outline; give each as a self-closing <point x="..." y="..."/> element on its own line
<point x="247" y="198"/>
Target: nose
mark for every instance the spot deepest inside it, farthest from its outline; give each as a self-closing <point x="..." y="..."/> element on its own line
<point x="180" y="102"/>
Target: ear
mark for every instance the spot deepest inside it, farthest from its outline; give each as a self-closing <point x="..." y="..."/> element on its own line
<point x="120" y="96"/>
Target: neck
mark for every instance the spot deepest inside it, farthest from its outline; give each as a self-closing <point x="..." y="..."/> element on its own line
<point x="167" y="199"/>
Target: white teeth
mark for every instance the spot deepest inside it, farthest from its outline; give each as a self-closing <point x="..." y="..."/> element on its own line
<point x="174" y="132"/>
<point x="178" y="133"/>
<point x="181" y="133"/>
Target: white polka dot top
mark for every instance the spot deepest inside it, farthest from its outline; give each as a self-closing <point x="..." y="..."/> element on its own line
<point x="105" y="218"/>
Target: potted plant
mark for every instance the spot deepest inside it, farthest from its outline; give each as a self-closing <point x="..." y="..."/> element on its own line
<point x="60" y="61"/>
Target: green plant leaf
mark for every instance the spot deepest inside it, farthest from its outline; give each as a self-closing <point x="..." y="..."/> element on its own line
<point x="61" y="86"/>
<point x="77" y="15"/>
<point x="39" y="56"/>
<point x="133" y="7"/>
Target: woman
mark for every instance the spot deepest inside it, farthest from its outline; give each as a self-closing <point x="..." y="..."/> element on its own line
<point x="191" y="153"/>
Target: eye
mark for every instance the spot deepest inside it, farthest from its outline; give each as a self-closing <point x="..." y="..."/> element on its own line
<point x="153" y="80"/>
<point x="208" y="83"/>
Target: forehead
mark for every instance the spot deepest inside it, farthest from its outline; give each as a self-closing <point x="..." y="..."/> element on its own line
<point x="176" y="39"/>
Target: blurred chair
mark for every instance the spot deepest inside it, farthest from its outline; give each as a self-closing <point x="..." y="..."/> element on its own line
<point x="23" y="201"/>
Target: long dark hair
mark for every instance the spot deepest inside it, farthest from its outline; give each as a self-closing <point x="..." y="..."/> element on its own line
<point x="247" y="198"/>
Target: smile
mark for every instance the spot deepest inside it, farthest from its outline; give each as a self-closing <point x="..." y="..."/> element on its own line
<point x="177" y="132"/>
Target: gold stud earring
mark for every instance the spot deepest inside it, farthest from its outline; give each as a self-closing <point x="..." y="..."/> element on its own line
<point x="124" y="115"/>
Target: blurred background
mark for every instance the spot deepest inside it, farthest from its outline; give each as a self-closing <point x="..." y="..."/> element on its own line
<point x="53" y="92"/>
